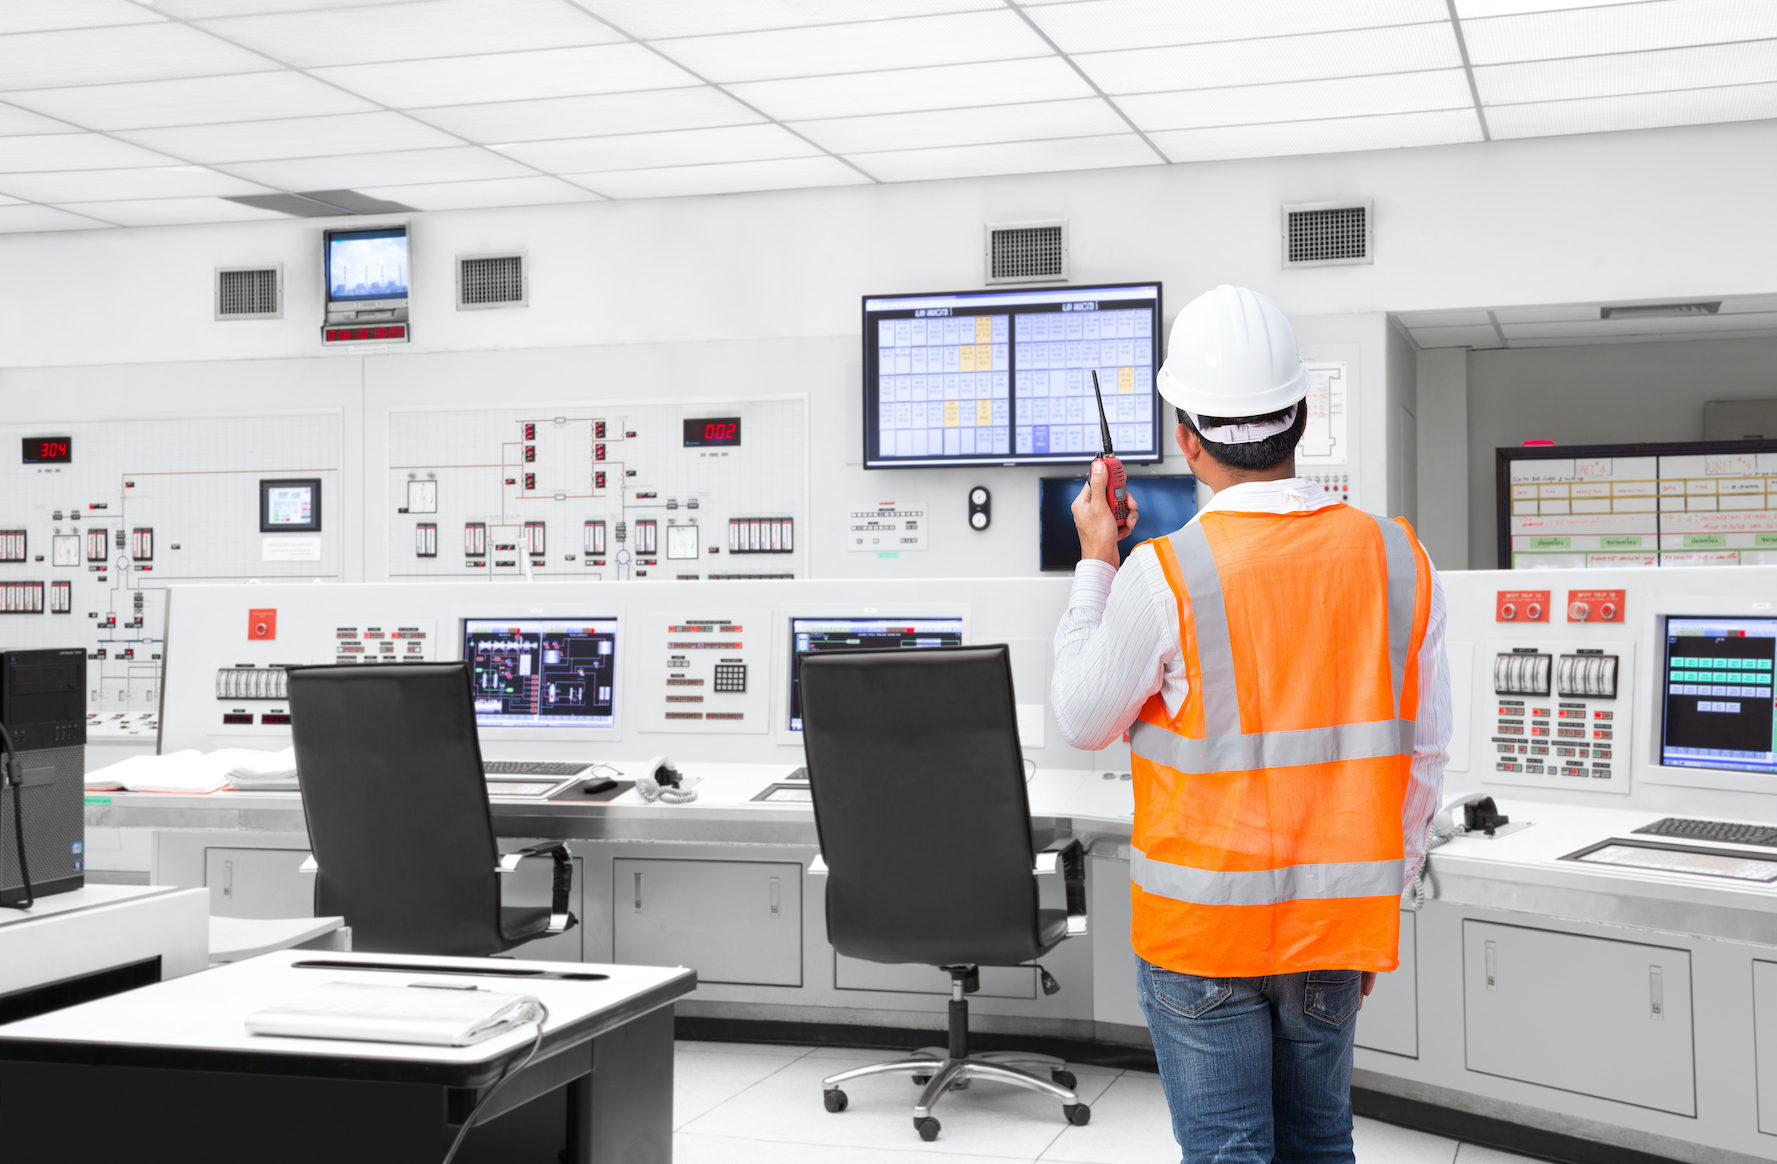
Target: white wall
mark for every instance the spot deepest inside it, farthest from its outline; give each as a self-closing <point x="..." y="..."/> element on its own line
<point x="1442" y="495"/>
<point x="1401" y="400"/>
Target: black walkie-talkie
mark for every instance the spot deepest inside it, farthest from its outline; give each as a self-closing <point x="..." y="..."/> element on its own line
<point x="1116" y="492"/>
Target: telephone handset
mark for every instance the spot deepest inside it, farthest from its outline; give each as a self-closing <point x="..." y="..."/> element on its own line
<point x="1473" y="812"/>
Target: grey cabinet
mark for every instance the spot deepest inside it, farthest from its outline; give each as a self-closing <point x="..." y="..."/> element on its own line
<point x="258" y="883"/>
<point x="1764" y="1037"/>
<point x="1591" y="1015"/>
<point x="996" y="981"/>
<point x="731" y="921"/>
<point x="1389" y="1020"/>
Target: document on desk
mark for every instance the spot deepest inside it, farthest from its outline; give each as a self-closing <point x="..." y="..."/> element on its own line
<point x="441" y="1016"/>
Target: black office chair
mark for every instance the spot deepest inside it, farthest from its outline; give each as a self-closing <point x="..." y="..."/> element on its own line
<point x="924" y="826"/>
<point x="390" y="769"/>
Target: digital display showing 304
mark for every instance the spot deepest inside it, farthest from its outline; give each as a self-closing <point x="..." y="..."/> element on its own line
<point x="49" y="450"/>
<point x="712" y="432"/>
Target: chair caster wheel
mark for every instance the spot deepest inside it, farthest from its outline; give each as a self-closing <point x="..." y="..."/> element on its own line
<point x="921" y="1080"/>
<point x="834" y="1099"/>
<point x="1064" y="1078"/>
<point x="1078" y="1114"/>
<point x="928" y="1128"/>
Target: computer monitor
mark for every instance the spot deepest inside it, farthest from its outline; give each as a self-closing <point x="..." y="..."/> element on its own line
<point x="1005" y="377"/>
<point x="366" y="265"/>
<point x="542" y="672"/>
<point x="1717" y="694"/>
<point x="813" y="635"/>
<point x="1163" y="504"/>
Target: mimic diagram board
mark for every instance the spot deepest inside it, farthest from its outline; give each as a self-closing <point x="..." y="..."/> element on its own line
<point x="1324" y="439"/>
<point x="1652" y="505"/>
<point x="108" y="513"/>
<point x="605" y="491"/>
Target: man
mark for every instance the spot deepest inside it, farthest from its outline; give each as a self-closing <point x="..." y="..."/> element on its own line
<point x="1279" y="665"/>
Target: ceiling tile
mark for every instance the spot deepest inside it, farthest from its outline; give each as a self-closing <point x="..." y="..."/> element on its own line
<point x="639" y="151"/>
<point x="538" y="191"/>
<point x="15" y="122"/>
<point x="951" y="127"/>
<point x="203" y="9"/>
<point x="649" y="19"/>
<point x="1471" y="9"/>
<point x="1033" y="157"/>
<point x="1300" y="100"/>
<point x="42" y="15"/>
<point x="1340" y="135"/>
<point x="1644" y="111"/>
<point x="173" y="211"/>
<point x="1470" y="336"/>
<point x="197" y="101"/>
<point x="907" y="90"/>
<point x="1097" y="25"/>
<point x="1546" y="313"/>
<point x="726" y="178"/>
<point x="1649" y="72"/>
<point x="564" y="72"/>
<point x="101" y="185"/>
<point x="1295" y="58"/>
<point x="1461" y="317"/>
<point x="353" y="171"/>
<point x="1619" y="28"/>
<point x="439" y="28"/>
<point x="297" y="137"/>
<point x="5" y="200"/>
<point x="137" y="52"/>
<point x="24" y="218"/>
<point x="650" y="112"/>
<point x="864" y="47"/>
<point x="74" y="151"/>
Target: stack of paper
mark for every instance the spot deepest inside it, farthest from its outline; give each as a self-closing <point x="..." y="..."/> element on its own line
<point x="442" y="1015"/>
<point x="197" y="772"/>
<point x="253" y="770"/>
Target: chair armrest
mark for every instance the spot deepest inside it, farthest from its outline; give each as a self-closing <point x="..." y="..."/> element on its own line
<point x="561" y="883"/>
<point x="817" y="866"/>
<point x="1069" y="859"/>
<point x="309" y="865"/>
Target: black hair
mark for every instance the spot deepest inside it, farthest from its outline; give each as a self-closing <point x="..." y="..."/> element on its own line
<point x="1255" y="456"/>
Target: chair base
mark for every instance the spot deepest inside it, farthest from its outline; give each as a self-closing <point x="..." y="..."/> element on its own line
<point x="942" y="1074"/>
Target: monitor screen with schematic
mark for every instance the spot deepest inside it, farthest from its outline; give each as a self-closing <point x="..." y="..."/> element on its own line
<point x="1717" y="704"/>
<point x="542" y="672"/>
<point x="812" y="635"/>
<point x="1163" y="504"/>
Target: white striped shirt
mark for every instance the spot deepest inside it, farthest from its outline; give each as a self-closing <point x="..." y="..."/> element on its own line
<point x="1118" y="644"/>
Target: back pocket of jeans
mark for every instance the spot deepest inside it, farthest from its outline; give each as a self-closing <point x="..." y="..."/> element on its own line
<point x="1333" y="995"/>
<point x="1187" y="995"/>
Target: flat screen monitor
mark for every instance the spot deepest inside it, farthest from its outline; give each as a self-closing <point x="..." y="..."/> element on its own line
<point x="813" y="635"/>
<point x="290" y="506"/>
<point x="1717" y="694"/>
<point x="366" y="264"/>
<point x="1163" y="504"/>
<point x="542" y="672"/>
<point x="1005" y="377"/>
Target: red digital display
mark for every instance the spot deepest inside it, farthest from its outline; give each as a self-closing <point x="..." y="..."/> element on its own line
<point x="49" y="450"/>
<point x="712" y="432"/>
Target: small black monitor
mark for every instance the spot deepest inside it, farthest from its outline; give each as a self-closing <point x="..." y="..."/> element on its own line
<point x="1716" y="694"/>
<point x="542" y="672"/>
<point x="1163" y="504"/>
<point x="813" y="635"/>
<point x="290" y="505"/>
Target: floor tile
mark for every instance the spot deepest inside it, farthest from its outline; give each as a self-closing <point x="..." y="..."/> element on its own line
<point x="714" y="1048"/>
<point x="987" y="1120"/>
<point x="1130" y="1125"/>
<point x="689" y="1148"/>
<point x="913" y="1041"/>
<point x="1380" y="1143"/>
<point x="703" y="1081"/>
<point x="1475" y="1154"/>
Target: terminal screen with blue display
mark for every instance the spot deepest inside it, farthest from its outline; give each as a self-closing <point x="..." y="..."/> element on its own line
<point x="542" y="672"/>
<point x="812" y="635"/>
<point x="1719" y="706"/>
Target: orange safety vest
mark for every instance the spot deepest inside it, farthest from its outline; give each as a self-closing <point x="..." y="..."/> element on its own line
<point x="1268" y="811"/>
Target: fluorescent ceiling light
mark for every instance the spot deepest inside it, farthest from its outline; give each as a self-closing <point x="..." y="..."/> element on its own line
<point x="1300" y="100"/>
<point x="726" y="178"/>
<point x="641" y="151"/>
<point x="1660" y="310"/>
<point x="197" y="101"/>
<point x="105" y="185"/>
<point x="173" y="211"/>
<point x="1029" y="157"/>
<point x="1644" y="111"/>
<point x="298" y="137"/>
<point x="24" y="219"/>
<point x="651" y="112"/>
<point x="1340" y="135"/>
<point x="355" y="171"/>
<point x="1656" y="338"/>
<point x="74" y="151"/>
<point x="651" y="19"/>
<point x="906" y="90"/>
<point x="951" y="127"/>
<point x="15" y="122"/>
<point x="1650" y="72"/>
<point x="1620" y="28"/>
<point x="1696" y="325"/>
<point x="1098" y="25"/>
<point x="565" y="72"/>
<point x="538" y="191"/>
<point x="1469" y="336"/>
<point x="1458" y="317"/>
<point x="854" y="48"/>
<point x="440" y="28"/>
<point x="1408" y="48"/>
<point x="41" y="15"/>
<point x="136" y="52"/>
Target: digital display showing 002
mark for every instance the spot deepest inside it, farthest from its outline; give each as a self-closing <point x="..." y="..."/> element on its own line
<point x="712" y="432"/>
<point x="48" y="450"/>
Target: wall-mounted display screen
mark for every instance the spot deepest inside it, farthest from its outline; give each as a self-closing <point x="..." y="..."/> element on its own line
<point x="542" y="672"/>
<point x="367" y="264"/>
<point x="1719" y="711"/>
<point x="811" y="635"/>
<point x="1005" y="377"/>
<point x="57" y="450"/>
<point x="712" y="432"/>
<point x="292" y="506"/>
<point x="1163" y="504"/>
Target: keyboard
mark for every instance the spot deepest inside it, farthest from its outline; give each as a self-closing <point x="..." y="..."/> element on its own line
<point x="1733" y="832"/>
<point x="533" y="767"/>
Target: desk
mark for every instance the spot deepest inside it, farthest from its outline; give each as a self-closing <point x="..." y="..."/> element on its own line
<point x="75" y="945"/>
<point x="181" y="1079"/>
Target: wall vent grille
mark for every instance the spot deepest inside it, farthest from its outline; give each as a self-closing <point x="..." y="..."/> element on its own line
<point x="491" y="281"/>
<point x="249" y="292"/>
<point x="1325" y="233"/>
<point x="1026" y="252"/>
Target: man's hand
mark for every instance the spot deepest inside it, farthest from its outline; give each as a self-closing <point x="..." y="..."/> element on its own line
<point x="1093" y="518"/>
<point x="1369" y="985"/>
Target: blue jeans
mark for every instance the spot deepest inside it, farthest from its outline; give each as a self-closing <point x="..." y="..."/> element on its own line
<point x="1256" y="1070"/>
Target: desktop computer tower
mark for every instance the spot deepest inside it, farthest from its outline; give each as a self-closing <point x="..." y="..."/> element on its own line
<point x="43" y="705"/>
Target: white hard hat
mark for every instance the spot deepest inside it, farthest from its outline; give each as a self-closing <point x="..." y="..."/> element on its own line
<point x="1232" y="352"/>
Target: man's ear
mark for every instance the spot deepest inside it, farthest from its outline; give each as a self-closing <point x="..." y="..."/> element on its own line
<point x="1188" y="442"/>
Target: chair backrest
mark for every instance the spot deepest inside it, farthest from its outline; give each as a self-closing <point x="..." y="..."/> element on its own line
<point x="390" y="769"/>
<point x="920" y="803"/>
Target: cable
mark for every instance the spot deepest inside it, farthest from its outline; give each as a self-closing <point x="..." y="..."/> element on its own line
<point x="541" y="1016"/>
<point x="1423" y="888"/>
<point x="11" y="776"/>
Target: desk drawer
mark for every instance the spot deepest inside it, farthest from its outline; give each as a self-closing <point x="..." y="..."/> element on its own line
<point x="731" y="921"/>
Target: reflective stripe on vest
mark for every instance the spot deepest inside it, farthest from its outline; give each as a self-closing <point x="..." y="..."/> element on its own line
<point x="1266" y="886"/>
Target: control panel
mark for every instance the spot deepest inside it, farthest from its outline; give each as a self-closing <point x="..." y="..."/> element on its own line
<point x="706" y="672"/>
<point x="1554" y="713"/>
